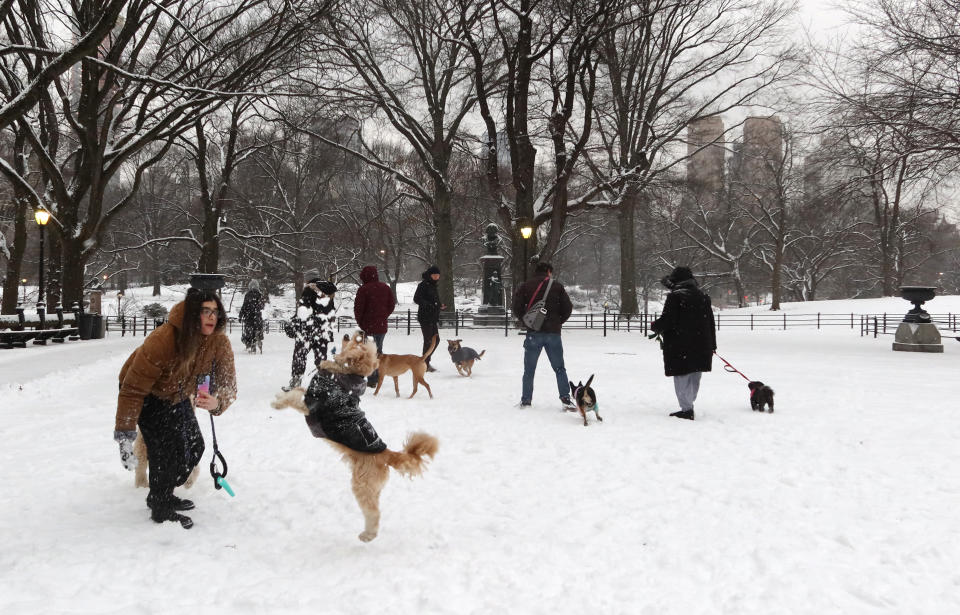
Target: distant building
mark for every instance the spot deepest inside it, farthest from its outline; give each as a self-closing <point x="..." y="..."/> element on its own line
<point x="706" y="151"/>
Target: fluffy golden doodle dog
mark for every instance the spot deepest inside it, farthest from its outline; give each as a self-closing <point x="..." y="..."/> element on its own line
<point x="331" y="408"/>
<point x="393" y="365"/>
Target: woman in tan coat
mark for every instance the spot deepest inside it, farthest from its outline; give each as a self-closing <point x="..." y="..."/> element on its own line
<point x="186" y="362"/>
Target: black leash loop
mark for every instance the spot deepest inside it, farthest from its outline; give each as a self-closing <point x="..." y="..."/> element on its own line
<point x="213" y="462"/>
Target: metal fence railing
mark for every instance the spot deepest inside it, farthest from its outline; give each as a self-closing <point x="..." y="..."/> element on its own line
<point x="605" y="321"/>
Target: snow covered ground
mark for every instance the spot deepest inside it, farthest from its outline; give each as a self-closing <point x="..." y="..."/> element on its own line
<point x="842" y="502"/>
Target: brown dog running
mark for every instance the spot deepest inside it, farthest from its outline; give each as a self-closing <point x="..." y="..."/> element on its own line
<point x="370" y="470"/>
<point x="463" y="357"/>
<point x="393" y="365"/>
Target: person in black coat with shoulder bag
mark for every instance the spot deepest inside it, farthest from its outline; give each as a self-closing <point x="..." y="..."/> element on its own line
<point x="687" y="336"/>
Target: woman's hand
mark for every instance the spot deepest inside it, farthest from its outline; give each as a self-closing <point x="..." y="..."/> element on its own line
<point x="206" y="401"/>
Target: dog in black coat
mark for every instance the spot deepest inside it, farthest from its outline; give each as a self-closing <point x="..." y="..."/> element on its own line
<point x="463" y="357"/>
<point x="760" y="395"/>
<point x="586" y="399"/>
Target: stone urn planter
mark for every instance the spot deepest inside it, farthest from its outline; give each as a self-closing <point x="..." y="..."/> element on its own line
<point x="207" y="281"/>
<point x="917" y="333"/>
<point x="917" y="295"/>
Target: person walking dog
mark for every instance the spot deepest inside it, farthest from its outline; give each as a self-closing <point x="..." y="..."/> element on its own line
<point x="688" y="337"/>
<point x="545" y="334"/>
<point x="186" y="362"/>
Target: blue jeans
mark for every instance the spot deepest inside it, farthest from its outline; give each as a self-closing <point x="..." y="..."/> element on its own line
<point x="532" y="345"/>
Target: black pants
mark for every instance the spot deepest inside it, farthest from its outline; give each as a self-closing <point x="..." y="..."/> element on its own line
<point x="301" y="349"/>
<point x="174" y="444"/>
<point x="429" y="330"/>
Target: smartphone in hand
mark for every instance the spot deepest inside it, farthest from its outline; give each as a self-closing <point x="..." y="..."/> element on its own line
<point x="205" y="385"/>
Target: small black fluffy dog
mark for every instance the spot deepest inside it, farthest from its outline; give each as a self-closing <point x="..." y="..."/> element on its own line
<point x="585" y="399"/>
<point x="760" y="395"/>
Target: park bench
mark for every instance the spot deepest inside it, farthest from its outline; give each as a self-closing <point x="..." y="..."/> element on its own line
<point x="14" y="331"/>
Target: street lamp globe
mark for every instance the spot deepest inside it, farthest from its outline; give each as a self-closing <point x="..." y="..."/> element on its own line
<point x="42" y="216"/>
<point x="526" y="231"/>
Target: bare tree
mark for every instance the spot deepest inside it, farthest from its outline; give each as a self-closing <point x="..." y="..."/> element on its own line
<point x="164" y="65"/>
<point x="671" y="64"/>
<point x="400" y="62"/>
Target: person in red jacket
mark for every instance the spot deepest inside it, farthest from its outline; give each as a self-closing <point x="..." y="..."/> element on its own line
<point x="372" y="307"/>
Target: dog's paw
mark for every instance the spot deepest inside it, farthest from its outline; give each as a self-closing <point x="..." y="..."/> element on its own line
<point x="367" y="536"/>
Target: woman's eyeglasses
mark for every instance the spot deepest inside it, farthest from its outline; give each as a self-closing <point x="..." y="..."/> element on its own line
<point x="210" y="312"/>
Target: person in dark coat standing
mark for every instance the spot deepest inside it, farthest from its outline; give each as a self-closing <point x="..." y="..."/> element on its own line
<point x="251" y="317"/>
<point x="312" y="326"/>
<point x="372" y="308"/>
<point x="688" y="337"/>
<point x="428" y="303"/>
<point x="558" y="308"/>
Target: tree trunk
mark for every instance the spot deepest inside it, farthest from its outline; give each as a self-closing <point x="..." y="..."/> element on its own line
<point x="626" y="220"/>
<point x="53" y="258"/>
<point x="11" y="283"/>
<point x="73" y="265"/>
<point x="443" y="225"/>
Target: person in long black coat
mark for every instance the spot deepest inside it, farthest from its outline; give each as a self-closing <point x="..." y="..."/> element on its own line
<point x="688" y="337"/>
<point x="427" y="298"/>
<point x="251" y="317"/>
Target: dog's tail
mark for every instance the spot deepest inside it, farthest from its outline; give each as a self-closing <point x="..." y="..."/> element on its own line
<point x="480" y="356"/>
<point x="433" y="346"/>
<point x="411" y="460"/>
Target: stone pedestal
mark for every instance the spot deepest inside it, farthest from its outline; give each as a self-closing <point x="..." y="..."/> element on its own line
<point x="917" y="337"/>
<point x="96" y="305"/>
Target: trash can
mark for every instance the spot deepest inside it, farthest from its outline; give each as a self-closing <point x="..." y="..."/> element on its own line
<point x="90" y="327"/>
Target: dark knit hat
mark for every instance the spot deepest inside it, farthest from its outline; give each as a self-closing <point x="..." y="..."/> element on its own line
<point x="680" y="274"/>
<point x="432" y="270"/>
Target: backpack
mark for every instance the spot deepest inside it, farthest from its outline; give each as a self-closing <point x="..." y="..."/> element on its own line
<point x="536" y="312"/>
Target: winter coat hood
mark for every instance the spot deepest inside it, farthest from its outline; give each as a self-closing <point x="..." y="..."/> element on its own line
<point x="369" y="274"/>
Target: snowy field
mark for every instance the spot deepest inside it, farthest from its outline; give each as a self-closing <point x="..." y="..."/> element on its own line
<point x="842" y="502"/>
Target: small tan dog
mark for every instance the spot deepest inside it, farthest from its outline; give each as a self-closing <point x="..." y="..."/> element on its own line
<point x="370" y="470"/>
<point x="393" y="365"/>
<point x="140" y="478"/>
<point x="463" y="356"/>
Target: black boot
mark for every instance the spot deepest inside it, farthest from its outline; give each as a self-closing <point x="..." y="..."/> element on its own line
<point x="159" y="515"/>
<point x="181" y="504"/>
<point x="163" y="507"/>
<point x="683" y="414"/>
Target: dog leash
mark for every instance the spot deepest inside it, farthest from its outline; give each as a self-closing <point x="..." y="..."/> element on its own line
<point x="219" y="478"/>
<point x="730" y="368"/>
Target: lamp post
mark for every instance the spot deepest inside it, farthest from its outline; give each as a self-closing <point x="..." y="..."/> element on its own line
<point x="119" y="297"/>
<point x="42" y="216"/>
<point x="23" y="285"/>
<point x="526" y="231"/>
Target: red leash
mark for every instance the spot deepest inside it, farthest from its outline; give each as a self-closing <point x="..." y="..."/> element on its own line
<point x="730" y="368"/>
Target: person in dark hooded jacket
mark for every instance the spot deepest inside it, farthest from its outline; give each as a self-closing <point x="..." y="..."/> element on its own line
<point x="429" y="306"/>
<point x="372" y="308"/>
<point x="312" y="326"/>
<point x="251" y="317"/>
<point x="688" y="337"/>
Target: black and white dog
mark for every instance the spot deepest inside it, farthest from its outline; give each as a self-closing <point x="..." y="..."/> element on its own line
<point x="586" y="399"/>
